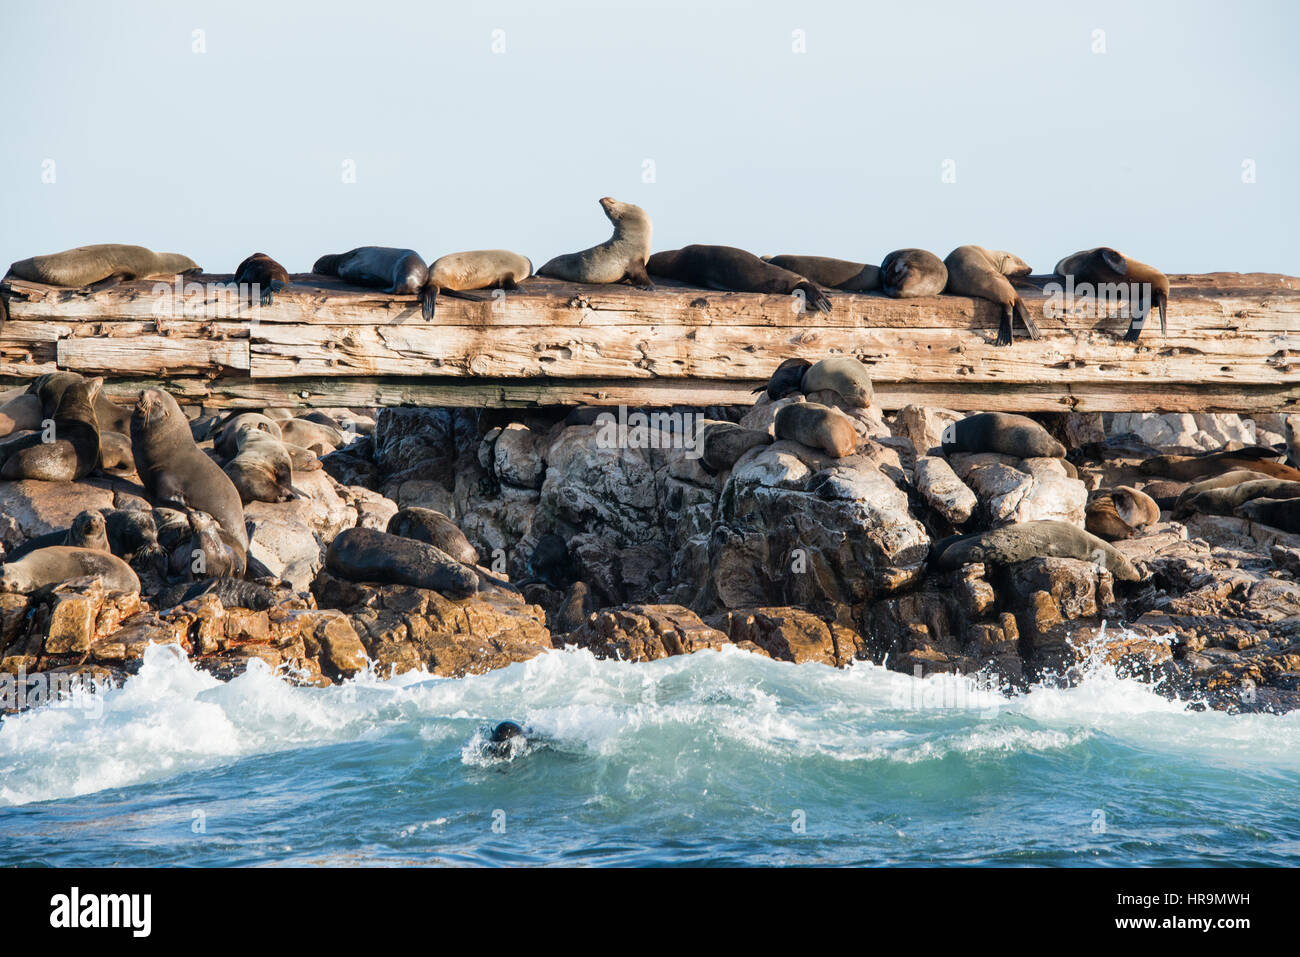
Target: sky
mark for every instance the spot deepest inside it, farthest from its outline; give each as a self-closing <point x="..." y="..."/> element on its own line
<point x="1168" y="130"/>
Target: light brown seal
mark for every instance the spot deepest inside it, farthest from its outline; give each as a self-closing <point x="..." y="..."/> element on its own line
<point x="982" y="273"/>
<point x="912" y="273"/>
<point x="1011" y="544"/>
<point x="845" y="377"/>
<point x="1104" y="266"/>
<point x="477" y="269"/>
<point x="621" y="258"/>
<point x="818" y="427"/>
<point x="1118" y="513"/>
<point x="61" y="563"/>
<point x="101" y="266"/>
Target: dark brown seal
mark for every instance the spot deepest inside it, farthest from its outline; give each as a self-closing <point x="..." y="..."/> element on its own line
<point x="262" y="274"/>
<point x="832" y="273"/>
<point x="1001" y="432"/>
<point x="733" y="270"/>
<point x="1104" y="266"/>
<point x="433" y="528"/>
<point x="369" y="555"/>
<point x="69" y="449"/>
<point x="912" y="273"/>
<point x="400" y="272"/>
<point x="982" y="273"/>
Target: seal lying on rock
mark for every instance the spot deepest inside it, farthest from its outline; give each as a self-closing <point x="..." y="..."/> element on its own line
<point x="845" y="376"/>
<point x="1116" y="514"/>
<point x="1189" y="468"/>
<point x="818" y="427"/>
<point x="725" y="442"/>
<point x="115" y="452"/>
<point x="223" y="440"/>
<point x="133" y="537"/>
<point x="433" y="528"/>
<point x="233" y="592"/>
<point x="61" y="563"/>
<point x="311" y="435"/>
<point x="1280" y="513"/>
<point x="621" y="258"/>
<point x="176" y="474"/>
<point x="261" y="470"/>
<point x="832" y="273"/>
<point x="733" y="270"/>
<point x="1226" y="499"/>
<point x="1018" y="543"/>
<point x="368" y="555"/>
<point x="20" y="414"/>
<point x="88" y="530"/>
<point x="1001" y="432"/>
<point x="71" y="450"/>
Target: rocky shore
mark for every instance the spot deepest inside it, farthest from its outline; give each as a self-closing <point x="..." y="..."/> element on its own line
<point x="638" y="549"/>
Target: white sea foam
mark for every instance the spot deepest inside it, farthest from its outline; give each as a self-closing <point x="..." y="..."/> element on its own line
<point x="665" y="718"/>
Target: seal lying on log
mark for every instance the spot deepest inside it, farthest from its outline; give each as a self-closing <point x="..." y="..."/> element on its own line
<point x="733" y="270"/>
<point x="981" y="273"/>
<point x="399" y="272"/>
<point x="912" y="273"/>
<point x="1106" y="266"/>
<point x="832" y="273"/>
<point x="1011" y="544"/>
<point x="369" y="555"/>
<point x="101" y="266"/>
<point x="477" y="269"/>
<point x="262" y="272"/>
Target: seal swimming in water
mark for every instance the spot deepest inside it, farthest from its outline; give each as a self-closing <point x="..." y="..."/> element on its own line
<point x="61" y="563"/>
<point x="1001" y="432"/>
<point x="982" y="273"/>
<point x="477" y="269"/>
<point x="912" y="273"/>
<point x="262" y="272"/>
<point x="1011" y="544"/>
<point x="621" y="258"/>
<point x="177" y="474"/>
<point x="72" y="449"/>
<point x="818" y="427"/>
<point x="369" y="555"/>
<point x="1104" y="266"/>
<point x="1118" y="513"/>
<point x="433" y="528"/>
<point x="733" y="270"/>
<point x="832" y="273"/>
<point x="506" y="737"/>
<point x="399" y="272"/>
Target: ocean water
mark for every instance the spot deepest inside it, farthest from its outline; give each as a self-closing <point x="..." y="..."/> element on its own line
<point x="714" y="758"/>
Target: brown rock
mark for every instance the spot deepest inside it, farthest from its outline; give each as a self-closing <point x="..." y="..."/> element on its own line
<point x="645" y="633"/>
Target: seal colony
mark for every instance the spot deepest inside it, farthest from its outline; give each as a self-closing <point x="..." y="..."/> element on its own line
<point x="970" y="271"/>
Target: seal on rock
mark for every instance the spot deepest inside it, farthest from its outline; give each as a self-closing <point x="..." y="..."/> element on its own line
<point x="734" y="270"/>
<point x="1104" y="266"/>
<point x="1226" y="499"/>
<point x="477" y="269"/>
<point x="1191" y="468"/>
<point x="844" y="376"/>
<point x="1118" y="513"/>
<point x="20" y="414"/>
<point x="261" y="469"/>
<point x="1280" y="513"/>
<point x="133" y="537"/>
<point x="177" y="474"/>
<point x="115" y="452"/>
<point x="70" y="450"/>
<point x="433" y="528"/>
<point x="982" y="273"/>
<point x="726" y="442"/>
<point x="224" y="441"/>
<point x="787" y="378"/>
<point x="369" y="555"/>
<point x="61" y="563"/>
<point x="912" y="273"/>
<point x="818" y="427"/>
<point x="832" y="273"/>
<point x="259" y="271"/>
<point x="1001" y="432"/>
<point x="399" y="272"/>
<point x="1025" y="540"/>
<point x="88" y="530"/>
<point x="311" y="435"/>
<point x="621" y="258"/>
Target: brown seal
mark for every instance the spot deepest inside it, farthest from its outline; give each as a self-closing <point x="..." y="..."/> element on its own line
<point x="260" y="273"/>
<point x="261" y="469"/>
<point x="832" y="273"/>
<point x="101" y="266"/>
<point x="61" y="563"/>
<point x="1226" y="499"/>
<point x="912" y="273"/>
<point x="1191" y="468"/>
<point x="725" y="442"/>
<point x="1118" y="513"/>
<point x="1020" y="542"/>
<point x="433" y="528"/>
<point x="399" y="272"/>
<point x="477" y="269"/>
<point x="787" y="378"/>
<point x="1104" y="266"/>
<point x="1281" y="513"/>
<point x="818" y="427"/>
<point x="178" y="475"/>
<point x="844" y="377"/>
<point x="369" y="555"/>
<point x="733" y="270"/>
<point x="621" y="258"/>
<point x="69" y="450"/>
<point x="1001" y="432"/>
<point x="982" y="273"/>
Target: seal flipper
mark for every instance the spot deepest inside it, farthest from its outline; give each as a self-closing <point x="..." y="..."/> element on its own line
<point x="1161" y="301"/>
<point x="1005" y="334"/>
<point x="108" y="282"/>
<point x="636" y="275"/>
<point x="428" y="300"/>
<point x="814" y="296"/>
<point x="1031" y="326"/>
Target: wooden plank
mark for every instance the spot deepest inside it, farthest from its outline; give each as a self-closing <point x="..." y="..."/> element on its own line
<point x="145" y="355"/>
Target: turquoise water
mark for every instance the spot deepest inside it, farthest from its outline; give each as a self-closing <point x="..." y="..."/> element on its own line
<point x="714" y="758"/>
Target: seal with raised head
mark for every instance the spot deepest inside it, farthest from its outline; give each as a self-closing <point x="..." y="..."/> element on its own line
<point x="101" y="266"/>
<point x="912" y="273"/>
<point x="260" y="273"/>
<point x="1002" y="432"/>
<point x="477" y="269"/>
<point x="621" y="258"/>
<point x="433" y="528"/>
<point x="734" y="270"/>
<point x="1118" y="513"/>
<point x="177" y="474"/>
<point x="982" y="273"/>
<point x="832" y="273"/>
<point x="1022" y="541"/>
<point x="845" y="377"/>
<point x="369" y="555"/>
<point x="71" y="450"/>
<point x="399" y="272"/>
<point x="261" y="470"/>
<point x="88" y="530"/>
<point x="818" y="427"/>
<point x="1104" y="266"/>
<point x="133" y="537"/>
<point x="1280" y="513"/>
<point x="61" y="563"/>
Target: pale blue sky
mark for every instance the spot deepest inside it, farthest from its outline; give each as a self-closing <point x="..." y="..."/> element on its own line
<point x="836" y="151"/>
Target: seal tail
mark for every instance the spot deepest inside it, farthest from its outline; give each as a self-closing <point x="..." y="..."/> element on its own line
<point x="1022" y="313"/>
